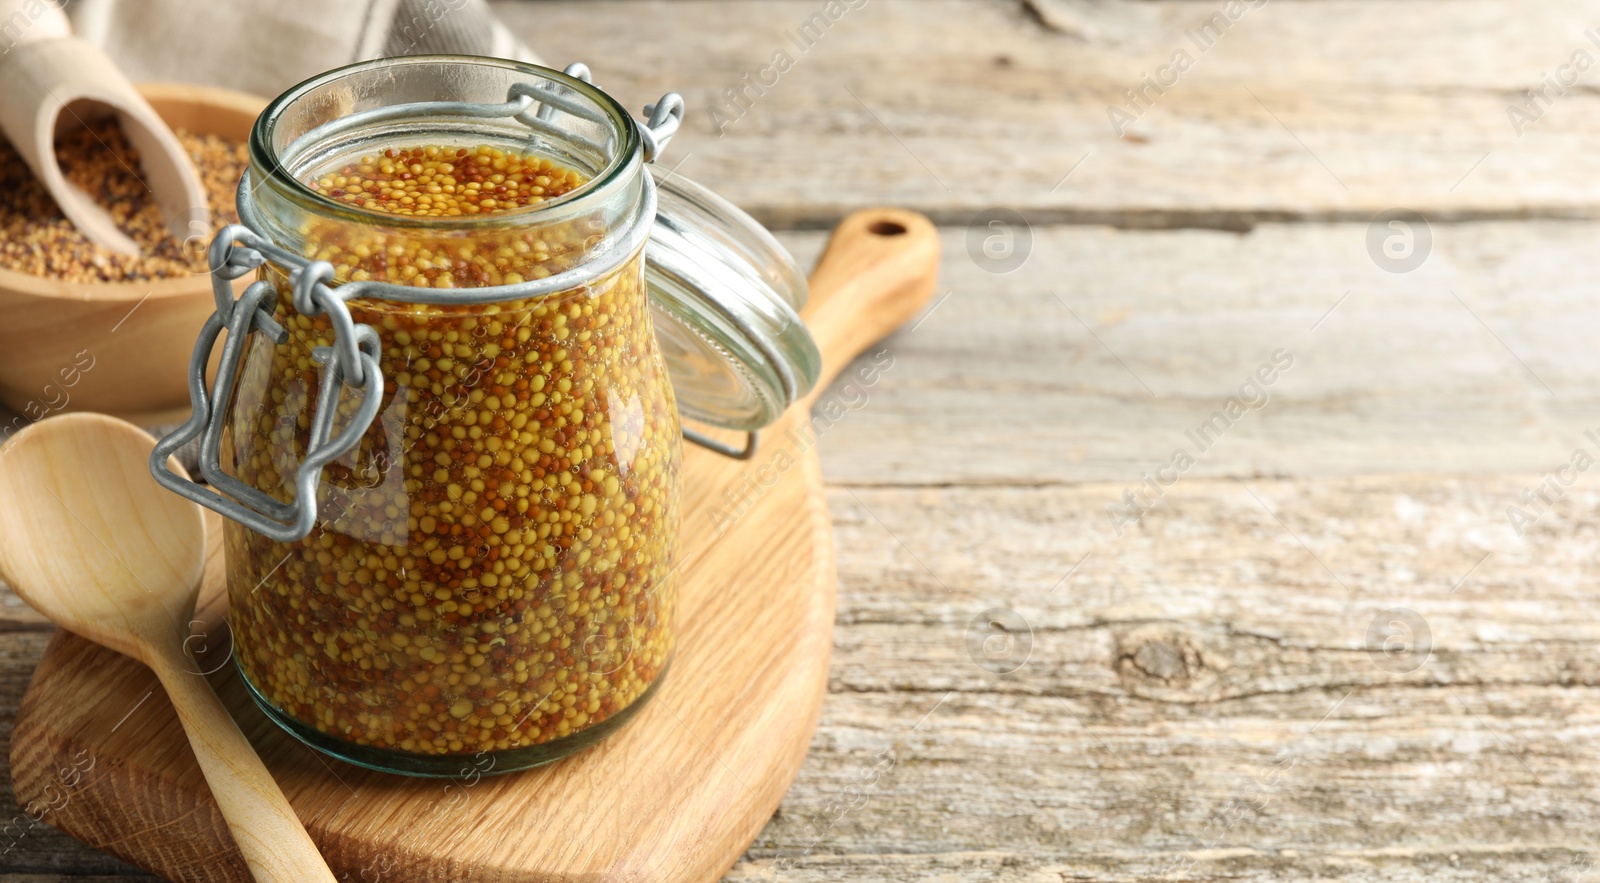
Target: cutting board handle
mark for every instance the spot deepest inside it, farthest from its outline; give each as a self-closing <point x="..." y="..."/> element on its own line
<point x="879" y="269"/>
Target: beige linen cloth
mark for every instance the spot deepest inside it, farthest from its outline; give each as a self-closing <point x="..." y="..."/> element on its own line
<point x="266" y="46"/>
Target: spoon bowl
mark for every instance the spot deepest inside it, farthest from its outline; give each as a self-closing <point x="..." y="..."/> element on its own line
<point x="90" y="540"/>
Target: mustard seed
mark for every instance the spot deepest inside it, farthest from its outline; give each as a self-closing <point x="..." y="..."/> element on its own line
<point x="36" y="238"/>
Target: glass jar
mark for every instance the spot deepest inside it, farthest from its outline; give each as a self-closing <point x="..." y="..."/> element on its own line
<point x="451" y="459"/>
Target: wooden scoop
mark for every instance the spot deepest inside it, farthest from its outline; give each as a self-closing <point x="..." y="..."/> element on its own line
<point x="91" y="541"/>
<point x="53" y="82"/>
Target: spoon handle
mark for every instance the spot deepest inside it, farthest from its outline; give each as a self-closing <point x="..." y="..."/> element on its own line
<point x="275" y="845"/>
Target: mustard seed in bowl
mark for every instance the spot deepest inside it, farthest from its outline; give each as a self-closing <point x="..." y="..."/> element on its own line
<point x="36" y="238"/>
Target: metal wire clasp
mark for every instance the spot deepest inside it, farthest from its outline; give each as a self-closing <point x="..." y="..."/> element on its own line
<point x="664" y="116"/>
<point x="352" y="362"/>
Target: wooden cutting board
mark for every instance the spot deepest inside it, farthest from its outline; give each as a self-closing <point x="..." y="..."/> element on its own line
<point x="677" y="795"/>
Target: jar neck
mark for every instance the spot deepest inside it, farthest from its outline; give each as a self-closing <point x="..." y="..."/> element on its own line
<point x="453" y="104"/>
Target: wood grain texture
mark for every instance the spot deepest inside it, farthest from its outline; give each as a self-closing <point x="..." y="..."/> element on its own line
<point x="1107" y="345"/>
<point x="1002" y="784"/>
<point x="1201" y="689"/>
<point x="1325" y="110"/>
<point x="675" y="796"/>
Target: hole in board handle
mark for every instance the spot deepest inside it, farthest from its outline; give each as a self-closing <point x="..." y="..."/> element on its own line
<point x="887" y="228"/>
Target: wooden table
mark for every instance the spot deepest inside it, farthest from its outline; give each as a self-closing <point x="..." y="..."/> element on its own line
<point x="1206" y="692"/>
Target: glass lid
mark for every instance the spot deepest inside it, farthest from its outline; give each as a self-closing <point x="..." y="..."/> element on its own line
<point x="726" y="297"/>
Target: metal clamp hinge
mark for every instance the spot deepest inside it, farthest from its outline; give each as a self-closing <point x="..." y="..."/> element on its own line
<point x="751" y="439"/>
<point x="351" y="362"/>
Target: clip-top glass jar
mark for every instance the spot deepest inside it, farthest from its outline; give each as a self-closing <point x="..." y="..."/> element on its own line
<point x="450" y="457"/>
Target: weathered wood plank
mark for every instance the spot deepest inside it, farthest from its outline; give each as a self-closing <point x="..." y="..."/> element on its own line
<point x="1319" y="110"/>
<point x="1091" y="361"/>
<point x="17" y="616"/>
<point x="1454" y="865"/>
<point x="1201" y="688"/>
<point x="1203" y="667"/>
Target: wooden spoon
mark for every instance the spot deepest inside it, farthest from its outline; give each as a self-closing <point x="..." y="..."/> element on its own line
<point x="91" y="541"/>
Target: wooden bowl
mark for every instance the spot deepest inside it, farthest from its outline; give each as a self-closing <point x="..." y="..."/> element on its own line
<point x="134" y="337"/>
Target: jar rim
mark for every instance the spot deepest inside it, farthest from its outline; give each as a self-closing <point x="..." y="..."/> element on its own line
<point x="265" y="157"/>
